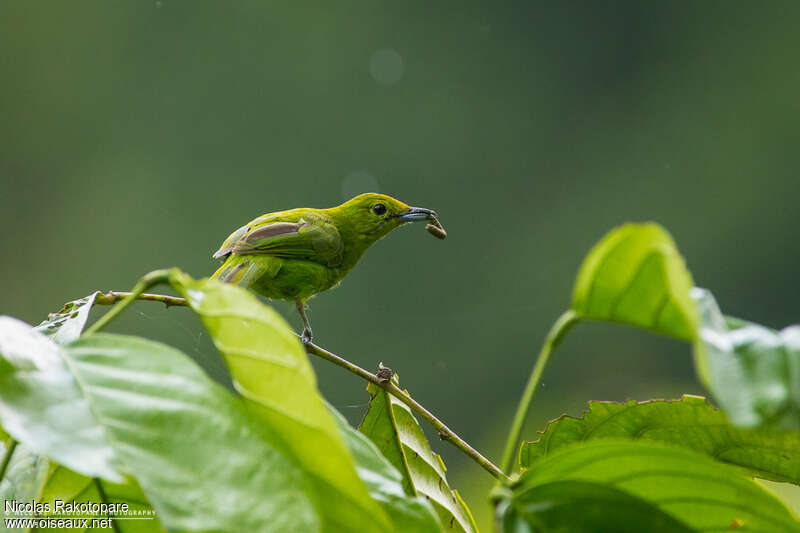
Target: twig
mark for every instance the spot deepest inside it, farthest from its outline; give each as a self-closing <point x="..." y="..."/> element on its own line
<point x="112" y="297"/>
<point x="445" y="433"/>
<point x="148" y="280"/>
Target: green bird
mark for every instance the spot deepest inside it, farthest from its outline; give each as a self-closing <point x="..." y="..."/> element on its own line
<point x="295" y="254"/>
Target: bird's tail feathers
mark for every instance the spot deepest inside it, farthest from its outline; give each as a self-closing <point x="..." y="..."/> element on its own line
<point x="238" y="273"/>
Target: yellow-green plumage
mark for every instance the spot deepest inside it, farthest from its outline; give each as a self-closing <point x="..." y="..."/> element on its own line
<point x="295" y="254"/>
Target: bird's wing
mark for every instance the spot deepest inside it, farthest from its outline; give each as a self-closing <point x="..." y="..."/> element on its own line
<point x="295" y="234"/>
<point x="227" y="246"/>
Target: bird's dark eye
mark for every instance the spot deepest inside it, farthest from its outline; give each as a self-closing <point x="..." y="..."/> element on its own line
<point x="379" y="209"/>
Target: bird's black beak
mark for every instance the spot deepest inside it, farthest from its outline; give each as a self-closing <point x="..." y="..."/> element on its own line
<point x="413" y="214"/>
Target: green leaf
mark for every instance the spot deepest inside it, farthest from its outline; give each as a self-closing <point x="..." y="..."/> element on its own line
<point x="409" y="514"/>
<point x="689" y="422"/>
<point x="271" y="371"/>
<point x="68" y="486"/>
<point x="391" y="426"/>
<point x="190" y="444"/>
<point x="24" y="478"/>
<point x="44" y="405"/>
<point x="32" y="477"/>
<point x="112" y="406"/>
<point x="636" y="276"/>
<point x="752" y="371"/>
<point x="582" y="507"/>
<point x="67" y="324"/>
<point x="702" y="493"/>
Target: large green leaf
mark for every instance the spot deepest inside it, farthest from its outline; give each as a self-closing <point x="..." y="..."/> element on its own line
<point x="44" y="405"/>
<point x="690" y="422"/>
<point x="409" y="514"/>
<point x="185" y="438"/>
<point x="32" y="477"/>
<point x="64" y="326"/>
<point x="702" y="493"/>
<point x="582" y="507"/>
<point x="138" y="408"/>
<point x="636" y="276"/>
<point x="67" y="324"/>
<point x="271" y="371"/>
<point x="752" y="371"/>
<point x="391" y="426"/>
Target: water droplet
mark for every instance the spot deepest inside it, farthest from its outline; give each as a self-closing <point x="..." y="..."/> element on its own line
<point x="358" y="182"/>
<point x="159" y="3"/>
<point x="386" y="66"/>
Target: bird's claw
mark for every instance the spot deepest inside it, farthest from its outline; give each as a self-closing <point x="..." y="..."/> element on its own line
<point x="306" y="336"/>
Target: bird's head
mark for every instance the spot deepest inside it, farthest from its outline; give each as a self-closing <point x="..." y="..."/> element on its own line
<point x="372" y="216"/>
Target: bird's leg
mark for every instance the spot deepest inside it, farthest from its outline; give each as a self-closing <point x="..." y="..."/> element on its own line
<point x="306" y="336"/>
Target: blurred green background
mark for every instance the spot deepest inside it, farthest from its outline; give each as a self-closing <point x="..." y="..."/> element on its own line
<point x="137" y="135"/>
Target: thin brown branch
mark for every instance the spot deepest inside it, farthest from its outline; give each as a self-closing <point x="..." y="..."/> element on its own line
<point x="445" y="433"/>
<point x="112" y="297"/>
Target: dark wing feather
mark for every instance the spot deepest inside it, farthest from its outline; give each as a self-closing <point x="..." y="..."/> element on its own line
<point x="272" y="230"/>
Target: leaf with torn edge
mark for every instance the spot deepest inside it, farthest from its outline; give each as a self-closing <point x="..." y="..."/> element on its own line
<point x="689" y="422"/>
<point x="391" y="426"/>
<point x="409" y="514"/>
<point x="67" y="324"/>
